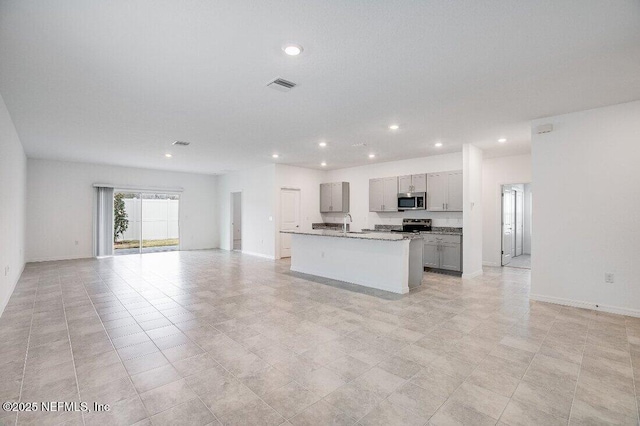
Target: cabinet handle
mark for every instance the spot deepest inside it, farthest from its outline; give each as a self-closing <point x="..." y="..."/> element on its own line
<point x="442" y="206"/>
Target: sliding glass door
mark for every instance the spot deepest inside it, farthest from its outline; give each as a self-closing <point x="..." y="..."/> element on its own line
<point x="145" y="222"/>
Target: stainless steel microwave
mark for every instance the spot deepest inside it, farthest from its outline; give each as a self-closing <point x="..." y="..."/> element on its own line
<point x="411" y="200"/>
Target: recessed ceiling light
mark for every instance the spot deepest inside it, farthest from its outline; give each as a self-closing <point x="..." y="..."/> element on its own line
<point x="168" y="155"/>
<point x="323" y="164"/>
<point x="275" y="155"/>
<point x="292" y="49"/>
<point x="394" y="127"/>
<point x="372" y="156"/>
<point x="322" y="144"/>
<point x="438" y="144"/>
<point x="502" y="140"/>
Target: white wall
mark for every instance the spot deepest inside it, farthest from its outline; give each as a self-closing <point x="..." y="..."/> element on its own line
<point x="308" y="182"/>
<point x="586" y="174"/>
<point x="258" y="209"/>
<point x="13" y="183"/>
<point x="472" y="211"/>
<point x="358" y="177"/>
<point x="495" y="173"/>
<point x="528" y="226"/>
<point x="60" y="205"/>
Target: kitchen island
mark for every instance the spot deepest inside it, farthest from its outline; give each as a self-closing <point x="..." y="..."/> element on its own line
<point x="391" y="262"/>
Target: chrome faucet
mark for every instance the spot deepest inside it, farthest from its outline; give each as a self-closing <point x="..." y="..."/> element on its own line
<point x="344" y="222"/>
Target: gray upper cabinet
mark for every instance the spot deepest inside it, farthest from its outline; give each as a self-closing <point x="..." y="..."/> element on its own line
<point x="376" y="195"/>
<point x="444" y="191"/>
<point x="404" y="183"/>
<point x="325" y="197"/>
<point x="454" y="191"/>
<point x="436" y="192"/>
<point x="383" y="194"/>
<point x="334" y="197"/>
<point x="412" y="183"/>
<point x="390" y="194"/>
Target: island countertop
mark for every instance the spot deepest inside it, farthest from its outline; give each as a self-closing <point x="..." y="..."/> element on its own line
<point x="379" y="236"/>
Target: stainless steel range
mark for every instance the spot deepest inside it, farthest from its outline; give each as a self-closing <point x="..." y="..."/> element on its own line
<point x="414" y="225"/>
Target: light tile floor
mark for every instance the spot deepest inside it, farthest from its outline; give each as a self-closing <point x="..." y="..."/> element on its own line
<point x="522" y="261"/>
<point x="217" y="337"/>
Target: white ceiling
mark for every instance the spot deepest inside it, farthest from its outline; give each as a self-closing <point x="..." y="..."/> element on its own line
<point x="118" y="81"/>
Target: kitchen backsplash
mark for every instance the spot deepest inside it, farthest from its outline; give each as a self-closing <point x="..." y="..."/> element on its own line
<point x="439" y="219"/>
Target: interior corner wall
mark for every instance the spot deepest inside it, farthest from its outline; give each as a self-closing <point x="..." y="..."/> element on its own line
<point x="495" y="173"/>
<point x="60" y="205"/>
<point x="258" y="209"/>
<point x="585" y="210"/>
<point x="13" y="184"/>
<point x="308" y="182"/>
<point x="472" y="211"/>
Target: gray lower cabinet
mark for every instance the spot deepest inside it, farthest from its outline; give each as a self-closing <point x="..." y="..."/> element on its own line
<point x="431" y="255"/>
<point x="443" y="252"/>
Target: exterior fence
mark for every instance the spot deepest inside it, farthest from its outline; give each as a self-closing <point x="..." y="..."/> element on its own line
<point x="159" y="219"/>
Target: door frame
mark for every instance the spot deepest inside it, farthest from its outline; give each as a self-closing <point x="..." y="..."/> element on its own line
<point x="500" y="187"/>
<point x="231" y="195"/>
<point x="140" y="192"/>
<point x="279" y="215"/>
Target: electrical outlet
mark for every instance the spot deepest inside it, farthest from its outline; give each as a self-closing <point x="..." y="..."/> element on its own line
<point x="609" y="278"/>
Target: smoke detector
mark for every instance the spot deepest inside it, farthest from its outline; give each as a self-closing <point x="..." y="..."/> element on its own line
<point x="281" y="85"/>
<point x="181" y="143"/>
<point x="544" y="128"/>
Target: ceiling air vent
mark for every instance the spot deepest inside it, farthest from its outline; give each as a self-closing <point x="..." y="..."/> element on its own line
<point x="181" y="143"/>
<point x="281" y="85"/>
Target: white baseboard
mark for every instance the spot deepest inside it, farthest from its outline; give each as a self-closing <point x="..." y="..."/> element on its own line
<point x="472" y="274"/>
<point x="264" y="256"/>
<point x="13" y="287"/>
<point x="486" y="263"/>
<point x="54" y="258"/>
<point x="586" y="305"/>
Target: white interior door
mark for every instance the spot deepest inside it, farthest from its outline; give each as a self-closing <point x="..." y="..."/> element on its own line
<point x="507" y="225"/>
<point x="289" y="218"/>
<point x="236" y="220"/>
<point x="519" y="226"/>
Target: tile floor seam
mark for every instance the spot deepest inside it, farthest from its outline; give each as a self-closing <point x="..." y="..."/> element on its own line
<point x="73" y="362"/>
<point x="398" y="387"/>
<point x="633" y="373"/>
<point x="575" y="390"/>
<point x="530" y="362"/>
<point x="234" y="376"/>
<point x="114" y="349"/>
<point x="467" y="378"/>
<point x="26" y="355"/>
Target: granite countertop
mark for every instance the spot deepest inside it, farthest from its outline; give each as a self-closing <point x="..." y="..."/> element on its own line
<point x="367" y="235"/>
<point x="434" y="230"/>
